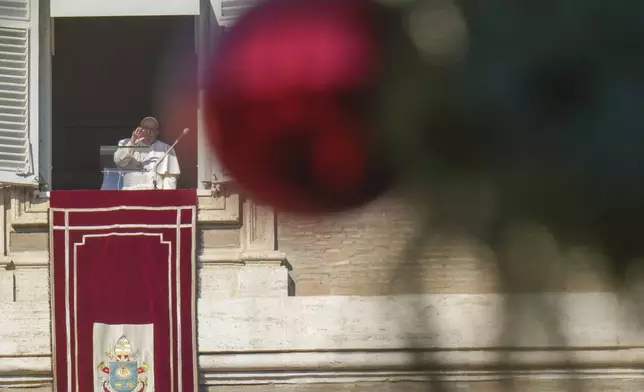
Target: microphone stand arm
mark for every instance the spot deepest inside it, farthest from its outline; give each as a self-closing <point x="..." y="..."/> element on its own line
<point x="156" y="167"/>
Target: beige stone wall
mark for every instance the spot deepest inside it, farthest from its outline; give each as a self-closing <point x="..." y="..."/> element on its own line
<point x="292" y="342"/>
<point x="628" y="385"/>
<point x="357" y="253"/>
<point x="243" y="303"/>
<point x="360" y="252"/>
<point x="236" y="257"/>
<point x="624" y="385"/>
<point x="236" y="251"/>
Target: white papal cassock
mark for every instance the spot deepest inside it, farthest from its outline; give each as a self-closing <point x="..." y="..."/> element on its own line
<point x="146" y="160"/>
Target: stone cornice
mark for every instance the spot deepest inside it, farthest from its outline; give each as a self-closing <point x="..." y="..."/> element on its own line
<point x="375" y="366"/>
<point x="26" y="211"/>
<point x="29" y="208"/>
<point x="40" y="259"/>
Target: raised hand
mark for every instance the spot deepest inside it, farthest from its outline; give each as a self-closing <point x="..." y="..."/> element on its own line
<point x="139" y="135"/>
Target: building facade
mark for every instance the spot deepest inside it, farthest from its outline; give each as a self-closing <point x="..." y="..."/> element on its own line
<point x="285" y="303"/>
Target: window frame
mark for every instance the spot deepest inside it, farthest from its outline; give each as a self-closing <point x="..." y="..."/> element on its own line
<point x="103" y="8"/>
<point x="207" y="33"/>
<point x="46" y="43"/>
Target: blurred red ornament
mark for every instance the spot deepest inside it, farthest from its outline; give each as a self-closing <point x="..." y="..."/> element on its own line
<point x="288" y="103"/>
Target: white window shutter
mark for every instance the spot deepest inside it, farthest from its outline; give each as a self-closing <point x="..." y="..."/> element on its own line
<point x="18" y="93"/>
<point x="228" y="11"/>
<point x="208" y="33"/>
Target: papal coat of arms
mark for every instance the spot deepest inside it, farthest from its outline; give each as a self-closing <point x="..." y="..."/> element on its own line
<point x="124" y="371"/>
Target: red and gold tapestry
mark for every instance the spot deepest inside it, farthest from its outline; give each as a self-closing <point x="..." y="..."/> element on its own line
<point x="123" y="291"/>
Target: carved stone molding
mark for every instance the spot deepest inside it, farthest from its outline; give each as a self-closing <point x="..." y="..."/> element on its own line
<point x="259" y="221"/>
<point x="5" y="200"/>
<point x="257" y="240"/>
<point x="207" y="256"/>
<point x="239" y="257"/>
<point x="26" y="216"/>
<point x="20" y="260"/>
<point x="355" y="366"/>
<point x="28" y="208"/>
<point x="224" y="209"/>
<point x="593" y="322"/>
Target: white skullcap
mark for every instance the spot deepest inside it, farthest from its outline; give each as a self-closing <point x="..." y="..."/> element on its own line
<point x="150" y="119"/>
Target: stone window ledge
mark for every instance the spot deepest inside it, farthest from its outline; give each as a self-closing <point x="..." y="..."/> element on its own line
<point x="29" y="208"/>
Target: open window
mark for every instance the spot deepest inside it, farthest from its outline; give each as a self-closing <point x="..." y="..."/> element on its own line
<point x="217" y="16"/>
<point x="85" y="78"/>
<point x="108" y="74"/>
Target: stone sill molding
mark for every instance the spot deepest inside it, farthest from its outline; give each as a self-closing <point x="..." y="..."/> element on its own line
<point x="351" y="367"/>
<point x="359" y="339"/>
<point x="218" y="256"/>
<point x="27" y="211"/>
<point x="29" y="208"/>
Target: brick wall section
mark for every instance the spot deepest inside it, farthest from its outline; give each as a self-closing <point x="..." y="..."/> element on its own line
<point x="357" y="254"/>
<point x="360" y="252"/>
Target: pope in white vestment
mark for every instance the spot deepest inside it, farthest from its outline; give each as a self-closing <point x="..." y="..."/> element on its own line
<point x="148" y="171"/>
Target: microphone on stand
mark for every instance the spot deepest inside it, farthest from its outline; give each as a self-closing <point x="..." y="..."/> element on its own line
<point x="184" y="133"/>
